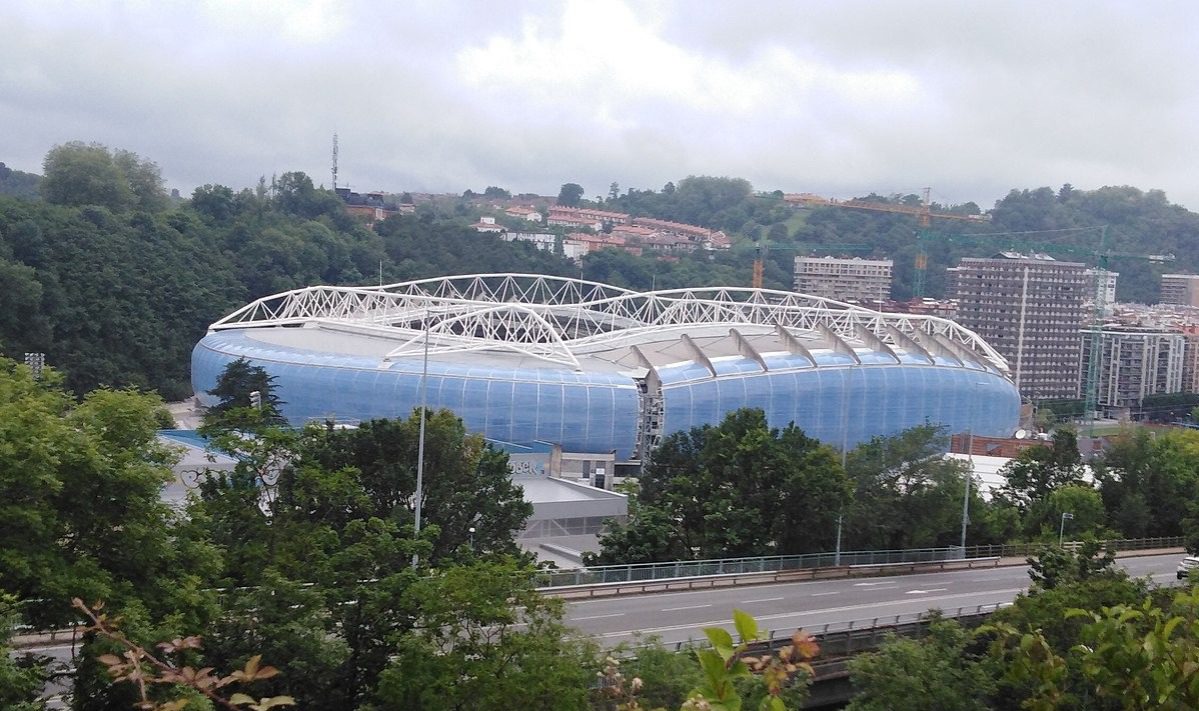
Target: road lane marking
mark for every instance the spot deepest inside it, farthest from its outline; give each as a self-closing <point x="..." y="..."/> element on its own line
<point x="688" y="607"/>
<point x="596" y="617"/>
<point x="810" y="613"/>
<point x="764" y="599"/>
<point x="767" y="586"/>
<point x="925" y="592"/>
<point x="835" y="592"/>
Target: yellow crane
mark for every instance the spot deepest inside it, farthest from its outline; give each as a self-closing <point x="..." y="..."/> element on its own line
<point x="759" y="254"/>
<point x="923" y="213"/>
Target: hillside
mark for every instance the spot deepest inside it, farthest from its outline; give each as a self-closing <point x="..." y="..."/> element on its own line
<point x="115" y="283"/>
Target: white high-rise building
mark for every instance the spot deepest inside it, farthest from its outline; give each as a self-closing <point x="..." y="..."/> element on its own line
<point x="855" y="280"/>
<point x="1134" y="362"/>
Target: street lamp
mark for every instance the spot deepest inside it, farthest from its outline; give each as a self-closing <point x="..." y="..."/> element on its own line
<point x="420" y="446"/>
<point x="472" y="537"/>
<point x="1061" y="529"/>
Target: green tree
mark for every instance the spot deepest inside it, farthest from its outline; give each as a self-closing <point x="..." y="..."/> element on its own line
<point x="906" y="495"/>
<point x="939" y="672"/>
<point x="144" y="179"/>
<point x="234" y="387"/>
<point x="467" y="483"/>
<point x="1037" y="471"/>
<point x="570" y="195"/>
<point x="22" y="677"/>
<point x="78" y="173"/>
<point x="740" y="488"/>
<point x="1148" y="483"/>
<point x="486" y="640"/>
<point x="1054" y="567"/>
<point x="79" y="495"/>
<point x="291" y="625"/>
<point x="18" y="183"/>
<point x="1133" y="657"/>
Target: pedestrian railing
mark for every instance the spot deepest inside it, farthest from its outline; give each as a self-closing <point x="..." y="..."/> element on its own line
<point x="637" y="572"/>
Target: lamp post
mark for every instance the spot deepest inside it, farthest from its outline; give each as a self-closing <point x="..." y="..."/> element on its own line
<point x="844" y="453"/>
<point x="472" y="538"/>
<point x="1061" y="529"/>
<point x="420" y="446"/>
<point x="969" y="477"/>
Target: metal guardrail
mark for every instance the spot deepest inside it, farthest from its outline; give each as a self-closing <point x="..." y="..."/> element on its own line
<point x="708" y="582"/>
<point x="839" y="639"/>
<point x="635" y="572"/>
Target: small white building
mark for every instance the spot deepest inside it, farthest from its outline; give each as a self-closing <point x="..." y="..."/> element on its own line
<point x="541" y="240"/>
<point x="525" y="213"/>
<point x="487" y="224"/>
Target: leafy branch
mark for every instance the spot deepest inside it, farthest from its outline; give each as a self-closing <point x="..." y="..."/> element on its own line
<point x="137" y="665"/>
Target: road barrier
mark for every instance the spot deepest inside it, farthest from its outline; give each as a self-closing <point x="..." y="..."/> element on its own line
<point x="841" y="639"/>
<point x="641" y="572"/>
<point x="708" y="582"/>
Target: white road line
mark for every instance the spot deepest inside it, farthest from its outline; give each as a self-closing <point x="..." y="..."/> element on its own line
<point x="689" y="607"/>
<point x="764" y="599"/>
<point x="766" y="586"/>
<point x="835" y="592"/>
<point x="810" y="613"/>
<point x="925" y="592"/>
<point x="596" y="617"/>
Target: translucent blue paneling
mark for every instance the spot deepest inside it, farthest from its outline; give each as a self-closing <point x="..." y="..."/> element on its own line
<point x="584" y="412"/>
<point x="839" y="401"/>
<point x="853" y="404"/>
<point x="782" y="361"/>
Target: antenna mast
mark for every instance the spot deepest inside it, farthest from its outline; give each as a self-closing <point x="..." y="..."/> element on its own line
<point x="335" y="160"/>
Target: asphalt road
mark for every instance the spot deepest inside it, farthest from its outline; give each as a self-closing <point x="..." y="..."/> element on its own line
<point x="680" y="616"/>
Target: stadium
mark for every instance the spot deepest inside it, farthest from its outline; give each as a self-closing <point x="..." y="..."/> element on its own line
<point x="532" y="360"/>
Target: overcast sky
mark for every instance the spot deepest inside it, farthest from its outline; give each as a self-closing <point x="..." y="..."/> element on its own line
<point x="839" y="98"/>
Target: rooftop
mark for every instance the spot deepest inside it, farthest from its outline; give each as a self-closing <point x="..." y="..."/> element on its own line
<point x="524" y="317"/>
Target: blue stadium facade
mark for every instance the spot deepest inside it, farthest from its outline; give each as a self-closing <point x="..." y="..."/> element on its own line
<point x="528" y="359"/>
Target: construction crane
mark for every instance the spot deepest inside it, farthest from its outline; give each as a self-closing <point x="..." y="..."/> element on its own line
<point x="759" y="254"/>
<point x="1102" y="257"/>
<point x="923" y="213"/>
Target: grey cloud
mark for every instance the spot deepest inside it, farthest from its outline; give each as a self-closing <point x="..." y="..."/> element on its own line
<point x="1005" y="95"/>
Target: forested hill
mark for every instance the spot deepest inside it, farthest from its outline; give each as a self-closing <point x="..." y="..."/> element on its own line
<point x="116" y="283"/>
<point x="1051" y="221"/>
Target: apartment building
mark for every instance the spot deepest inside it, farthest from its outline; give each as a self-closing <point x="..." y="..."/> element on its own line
<point x="1133" y="363"/>
<point x="1180" y="289"/>
<point x="855" y="280"/>
<point x="1030" y="309"/>
<point x="1101" y="288"/>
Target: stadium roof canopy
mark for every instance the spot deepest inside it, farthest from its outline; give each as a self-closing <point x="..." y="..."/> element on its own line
<point x="566" y="321"/>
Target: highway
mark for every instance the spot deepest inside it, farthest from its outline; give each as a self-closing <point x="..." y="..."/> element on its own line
<point x="680" y="616"/>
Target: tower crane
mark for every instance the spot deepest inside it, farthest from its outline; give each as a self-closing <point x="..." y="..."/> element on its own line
<point x="759" y="254"/>
<point x="923" y="213"/>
